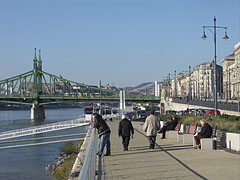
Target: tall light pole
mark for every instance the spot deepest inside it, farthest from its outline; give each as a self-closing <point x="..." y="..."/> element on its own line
<point x="215" y="54"/>
<point x="169" y="87"/>
<point x="189" y="85"/>
<point x="175" y="84"/>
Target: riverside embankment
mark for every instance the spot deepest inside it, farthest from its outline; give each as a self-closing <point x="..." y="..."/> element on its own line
<point x="169" y="160"/>
<point x="30" y="162"/>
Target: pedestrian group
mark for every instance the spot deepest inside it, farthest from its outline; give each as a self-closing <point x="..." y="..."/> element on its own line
<point x="151" y="126"/>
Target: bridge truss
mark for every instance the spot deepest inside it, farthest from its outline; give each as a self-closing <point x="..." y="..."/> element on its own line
<point x="39" y="87"/>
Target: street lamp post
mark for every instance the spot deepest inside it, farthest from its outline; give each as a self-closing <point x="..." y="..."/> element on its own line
<point x="175" y="84"/>
<point x="215" y="54"/>
<point x="189" y="85"/>
<point x="169" y="87"/>
<point x="208" y="85"/>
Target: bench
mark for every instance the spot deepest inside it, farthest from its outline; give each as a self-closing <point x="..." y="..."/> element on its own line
<point x="172" y="134"/>
<point x="209" y="143"/>
<point x="187" y="136"/>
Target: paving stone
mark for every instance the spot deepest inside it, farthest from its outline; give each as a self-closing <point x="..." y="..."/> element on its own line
<point x="169" y="160"/>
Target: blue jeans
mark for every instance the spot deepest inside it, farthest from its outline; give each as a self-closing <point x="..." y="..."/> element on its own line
<point x="105" y="140"/>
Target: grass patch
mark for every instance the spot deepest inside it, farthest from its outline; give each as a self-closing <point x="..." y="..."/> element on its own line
<point x="224" y="122"/>
<point x="69" y="148"/>
<point x="69" y="153"/>
<point x="62" y="171"/>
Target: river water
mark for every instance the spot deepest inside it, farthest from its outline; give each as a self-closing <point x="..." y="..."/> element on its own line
<point x="28" y="163"/>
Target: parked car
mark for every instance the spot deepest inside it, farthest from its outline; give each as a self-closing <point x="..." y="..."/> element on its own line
<point x="202" y="111"/>
<point x="196" y="112"/>
<point x="130" y="115"/>
<point x="179" y="113"/>
<point x="211" y="112"/>
<point x="193" y="112"/>
<point x="141" y="115"/>
<point x="170" y="112"/>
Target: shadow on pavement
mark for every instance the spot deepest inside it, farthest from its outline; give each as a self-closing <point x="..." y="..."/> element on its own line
<point x="164" y="149"/>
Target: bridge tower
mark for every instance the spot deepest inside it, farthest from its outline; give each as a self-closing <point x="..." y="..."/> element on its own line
<point x="37" y="111"/>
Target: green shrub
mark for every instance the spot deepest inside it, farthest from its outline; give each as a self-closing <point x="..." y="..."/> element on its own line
<point x="62" y="171"/>
<point x="165" y="117"/>
<point x="224" y="122"/>
<point x="68" y="148"/>
<point x="229" y="117"/>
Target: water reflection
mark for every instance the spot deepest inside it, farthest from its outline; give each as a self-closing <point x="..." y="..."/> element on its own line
<point x="29" y="163"/>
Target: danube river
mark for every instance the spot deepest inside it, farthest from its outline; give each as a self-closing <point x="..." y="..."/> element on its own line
<point x="28" y="163"/>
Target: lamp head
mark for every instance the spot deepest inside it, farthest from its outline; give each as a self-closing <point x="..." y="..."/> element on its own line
<point x="226" y="36"/>
<point x="204" y="36"/>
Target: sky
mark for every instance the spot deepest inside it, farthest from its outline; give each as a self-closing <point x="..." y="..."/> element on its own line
<point x="122" y="42"/>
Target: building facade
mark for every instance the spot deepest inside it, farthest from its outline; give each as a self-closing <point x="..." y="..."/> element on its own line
<point x="231" y="74"/>
<point x="203" y="81"/>
<point x="181" y="84"/>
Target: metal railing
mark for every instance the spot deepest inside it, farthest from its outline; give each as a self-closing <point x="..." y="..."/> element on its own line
<point x="108" y="116"/>
<point x="43" y="128"/>
<point x="229" y="105"/>
<point x="84" y="167"/>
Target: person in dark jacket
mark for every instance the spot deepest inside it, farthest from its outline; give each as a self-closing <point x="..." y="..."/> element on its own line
<point x="103" y="133"/>
<point x="206" y="132"/>
<point x="125" y="129"/>
<point x="170" y="125"/>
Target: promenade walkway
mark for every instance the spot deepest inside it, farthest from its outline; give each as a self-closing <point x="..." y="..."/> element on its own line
<point x="169" y="160"/>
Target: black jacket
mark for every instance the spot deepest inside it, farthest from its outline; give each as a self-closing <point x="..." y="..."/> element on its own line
<point x="124" y="128"/>
<point x="171" y="125"/>
<point x="101" y="126"/>
<point x="206" y="131"/>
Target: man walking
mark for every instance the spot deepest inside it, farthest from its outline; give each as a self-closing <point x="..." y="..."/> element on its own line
<point x="125" y="129"/>
<point x="103" y="132"/>
<point x="151" y="126"/>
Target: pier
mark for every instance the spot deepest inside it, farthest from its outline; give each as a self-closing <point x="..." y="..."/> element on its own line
<point x="169" y="160"/>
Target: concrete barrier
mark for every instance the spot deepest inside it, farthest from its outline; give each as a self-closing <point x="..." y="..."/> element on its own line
<point x="188" y="139"/>
<point x="180" y="138"/>
<point x="233" y="141"/>
<point x="172" y="134"/>
<point x="208" y="144"/>
<point x="170" y="105"/>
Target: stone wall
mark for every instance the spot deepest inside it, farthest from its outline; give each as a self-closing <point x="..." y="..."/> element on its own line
<point x="169" y="105"/>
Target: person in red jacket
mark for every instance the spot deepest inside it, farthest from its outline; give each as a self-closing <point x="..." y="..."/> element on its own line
<point x="206" y="132"/>
<point x="125" y="129"/>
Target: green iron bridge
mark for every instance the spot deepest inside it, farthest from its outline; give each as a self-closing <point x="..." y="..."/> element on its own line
<point x="38" y="88"/>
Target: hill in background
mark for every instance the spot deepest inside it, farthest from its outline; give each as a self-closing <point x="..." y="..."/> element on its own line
<point x="144" y="88"/>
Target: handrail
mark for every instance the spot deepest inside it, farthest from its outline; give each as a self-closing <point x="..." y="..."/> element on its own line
<point x="43" y="128"/>
<point x="84" y="167"/>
